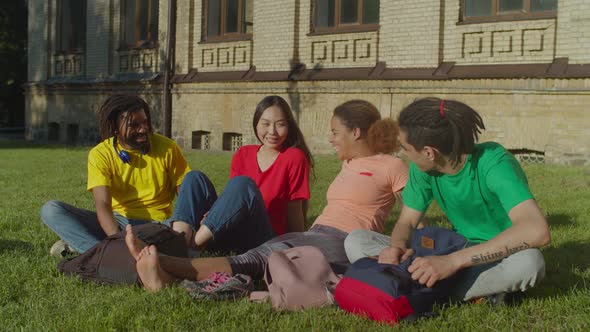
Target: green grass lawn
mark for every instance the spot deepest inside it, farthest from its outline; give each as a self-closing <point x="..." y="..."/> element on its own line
<point x="34" y="296"/>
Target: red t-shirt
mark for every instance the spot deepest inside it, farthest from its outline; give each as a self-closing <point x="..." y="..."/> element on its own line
<point x="287" y="179"/>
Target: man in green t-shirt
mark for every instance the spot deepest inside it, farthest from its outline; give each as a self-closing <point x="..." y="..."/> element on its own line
<point x="484" y="193"/>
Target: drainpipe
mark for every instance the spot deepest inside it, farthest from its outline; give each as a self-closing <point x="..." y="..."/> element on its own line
<point x="169" y="68"/>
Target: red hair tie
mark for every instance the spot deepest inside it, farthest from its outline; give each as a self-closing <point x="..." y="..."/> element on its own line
<point x="441" y="108"/>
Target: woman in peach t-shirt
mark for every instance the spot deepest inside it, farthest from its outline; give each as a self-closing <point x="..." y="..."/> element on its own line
<point x="360" y="197"/>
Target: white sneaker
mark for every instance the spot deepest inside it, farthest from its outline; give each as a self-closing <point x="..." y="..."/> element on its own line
<point x="60" y="249"/>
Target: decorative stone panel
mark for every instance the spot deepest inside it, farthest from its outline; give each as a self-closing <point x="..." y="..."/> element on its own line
<point x="68" y="65"/>
<point x="343" y="50"/>
<point x="138" y="61"/>
<point x="230" y="56"/>
<point x="505" y="43"/>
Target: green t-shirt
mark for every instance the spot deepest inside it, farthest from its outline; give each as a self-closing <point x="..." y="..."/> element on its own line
<point x="478" y="198"/>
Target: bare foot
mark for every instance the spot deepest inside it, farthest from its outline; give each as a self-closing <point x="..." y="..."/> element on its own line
<point x="134" y="244"/>
<point x="150" y="272"/>
<point x="145" y="251"/>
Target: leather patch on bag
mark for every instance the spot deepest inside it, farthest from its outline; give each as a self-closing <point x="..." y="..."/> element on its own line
<point x="427" y="242"/>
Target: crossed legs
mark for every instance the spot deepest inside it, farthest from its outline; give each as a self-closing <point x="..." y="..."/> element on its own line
<point x="157" y="271"/>
<point x="235" y="221"/>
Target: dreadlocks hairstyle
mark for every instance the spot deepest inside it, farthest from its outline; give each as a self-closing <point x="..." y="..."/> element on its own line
<point x="447" y="125"/>
<point x="295" y="137"/>
<point x="381" y="134"/>
<point x="114" y="106"/>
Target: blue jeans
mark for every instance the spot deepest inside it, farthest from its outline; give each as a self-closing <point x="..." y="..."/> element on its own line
<point x="238" y="219"/>
<point x="79" y="228"/>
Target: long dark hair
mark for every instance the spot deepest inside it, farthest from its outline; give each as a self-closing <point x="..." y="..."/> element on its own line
<point x="114" y="106"/>
<point x="450" y="126"/>
<point x="295" y="137"/>
<point x="381" y="134"/>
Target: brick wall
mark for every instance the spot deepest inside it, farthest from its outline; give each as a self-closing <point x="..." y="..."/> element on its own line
<point x="274" y="34"/>
<point x="515" y="115"/>
<point x="402" y="38"/>
<point x="98" y="34"/>
<point x="573" y="30"/>
<point x="546" y="115"/>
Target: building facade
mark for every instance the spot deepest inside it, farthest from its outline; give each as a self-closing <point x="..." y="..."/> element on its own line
<point x="523" y="64"/>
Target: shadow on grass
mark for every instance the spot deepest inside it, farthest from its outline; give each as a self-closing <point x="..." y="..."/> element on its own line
<point x="15" y="245"/>
<point x="6" y="145"/>
<point x="566" y="269"/>
<point x="560" y="220"/>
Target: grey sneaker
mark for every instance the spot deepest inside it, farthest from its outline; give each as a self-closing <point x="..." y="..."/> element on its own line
<point x="60" y="249"/>
<point x="499" y="299"/>
<point x="220" y="286"/>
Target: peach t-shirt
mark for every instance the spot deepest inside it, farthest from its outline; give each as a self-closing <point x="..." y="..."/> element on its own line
<point x="361" y="196"/>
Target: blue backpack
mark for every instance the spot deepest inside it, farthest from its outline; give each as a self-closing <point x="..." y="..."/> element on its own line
<point x="386" y="292"/>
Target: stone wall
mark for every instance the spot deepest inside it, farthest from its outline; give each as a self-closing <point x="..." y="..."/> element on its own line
<point x="538" y="112"/>
<point x="515" y="113"/>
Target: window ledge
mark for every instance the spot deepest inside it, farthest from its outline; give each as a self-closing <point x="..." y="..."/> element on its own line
<point x="507" y="18"/>
<point x="345" y="29"/>
<point x="137" y="48"/>
<point x="68" y="52"/>
<point x="230" y="38"/>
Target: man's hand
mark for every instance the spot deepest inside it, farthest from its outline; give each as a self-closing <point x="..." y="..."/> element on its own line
<point x="394" y="255"/>
<point x="428" y="270"/>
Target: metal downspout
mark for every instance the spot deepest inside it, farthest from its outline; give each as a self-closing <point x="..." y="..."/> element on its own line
<point x="169" y="64"/>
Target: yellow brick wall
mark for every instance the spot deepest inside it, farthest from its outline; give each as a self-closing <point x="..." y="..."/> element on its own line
<point x="515" y="115"/>
<point x="547" y="115"/>
<point x="185" y="35"/>
<point x="274" y="30"/>
<point x="573" y="30"/>
<point x="98" y="26"/>
<point x="409" y="33"/>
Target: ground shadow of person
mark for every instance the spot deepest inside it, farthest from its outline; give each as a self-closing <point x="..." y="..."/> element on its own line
<point x="566" y="262"/>
<point x="14" y="245"/>
<point x="565" y="266"/>
<point x="557" y="221"/>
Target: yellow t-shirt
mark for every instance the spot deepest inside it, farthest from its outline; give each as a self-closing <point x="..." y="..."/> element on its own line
<point x="144" y="188"/>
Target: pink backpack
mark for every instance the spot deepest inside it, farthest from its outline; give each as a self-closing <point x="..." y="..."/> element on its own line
<point x="297" y="278"/>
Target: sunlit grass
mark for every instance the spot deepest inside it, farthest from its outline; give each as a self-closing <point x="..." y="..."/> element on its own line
<point x="34" y="296"/>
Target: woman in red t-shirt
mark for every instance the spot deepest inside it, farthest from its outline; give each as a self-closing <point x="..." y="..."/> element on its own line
<point x="267" y="192"/>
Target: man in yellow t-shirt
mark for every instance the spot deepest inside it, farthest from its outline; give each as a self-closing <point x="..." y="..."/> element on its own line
<point x="133" y="174"/>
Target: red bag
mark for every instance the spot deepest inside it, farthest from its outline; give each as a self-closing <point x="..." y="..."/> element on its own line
<point x="387" y="293"/>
